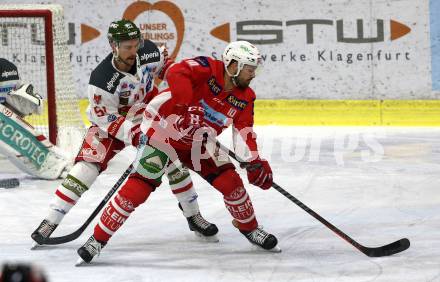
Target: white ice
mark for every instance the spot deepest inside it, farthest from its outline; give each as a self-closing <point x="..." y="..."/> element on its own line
<point x="376" y="184"/>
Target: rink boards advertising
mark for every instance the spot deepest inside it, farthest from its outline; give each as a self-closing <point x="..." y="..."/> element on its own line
<point x="324" y="63"/>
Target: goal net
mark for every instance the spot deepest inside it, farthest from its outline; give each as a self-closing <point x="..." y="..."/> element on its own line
<point x="33" y="37"/>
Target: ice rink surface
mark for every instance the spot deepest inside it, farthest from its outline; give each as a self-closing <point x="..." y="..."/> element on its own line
<point x="376" y="184"/>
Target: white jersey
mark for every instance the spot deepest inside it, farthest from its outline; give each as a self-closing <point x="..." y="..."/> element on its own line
<point x="9" y="79"/>
<point x="112" y="93"/>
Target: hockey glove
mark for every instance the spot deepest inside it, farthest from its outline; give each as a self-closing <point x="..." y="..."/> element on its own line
<point x="259" y="173"/>
<point x="138" y="138"/>
<point x="25" y="100"/>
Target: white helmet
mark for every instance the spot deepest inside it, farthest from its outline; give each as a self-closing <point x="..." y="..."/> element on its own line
<point x="243" y="52"/>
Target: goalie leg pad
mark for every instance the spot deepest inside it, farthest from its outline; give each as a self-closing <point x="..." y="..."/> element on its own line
<point x="236" y="199"/>
<point x="80" y="178"/>
<point x="27" y="149"/>
<point x="182" y="187"/>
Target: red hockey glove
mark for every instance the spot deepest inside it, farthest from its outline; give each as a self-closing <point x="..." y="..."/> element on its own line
<point x="259" y="173"/>
<point x="138" y="137"/>
<point x="191" y="119"/>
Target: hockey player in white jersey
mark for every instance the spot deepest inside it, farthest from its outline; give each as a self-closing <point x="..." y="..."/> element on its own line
<point x="119" y="89"/>
<point x="23" y="146"/>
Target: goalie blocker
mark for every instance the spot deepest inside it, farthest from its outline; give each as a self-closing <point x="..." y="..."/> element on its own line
<point x="28" y="150"/>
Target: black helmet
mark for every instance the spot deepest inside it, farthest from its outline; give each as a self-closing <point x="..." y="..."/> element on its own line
<point x="123" y="30"/>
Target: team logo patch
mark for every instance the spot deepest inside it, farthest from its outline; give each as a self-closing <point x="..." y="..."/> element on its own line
<point x="111" y="118"/>
<point x="235" y="102"/>
<point x="114" y="127"/>
<point x="73" y="185"/>
<point x="147" y="56"/>
<point x="237" y="194"/>
<point x="214" y="86"/>
<point x="213" y="116"/>
<point x="124" y="85"/>
<point x="97" y="98"/>
<point x="111" y="82"/>
<point x="203" y="61"/>
<point x="7" y="74"/>
<point x="124" y="203"/>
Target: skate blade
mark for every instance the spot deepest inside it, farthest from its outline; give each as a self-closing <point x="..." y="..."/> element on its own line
<point x="209" y="239"/>
<point x="35" y="245"/>
<point x="80" y="262"/>
<point x="275" y="249"/>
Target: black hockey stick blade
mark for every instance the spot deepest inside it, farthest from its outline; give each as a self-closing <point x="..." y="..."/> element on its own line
<point x="387" y="250"/>
<point x="9" y="183"/>
<point x="74" y="235"/>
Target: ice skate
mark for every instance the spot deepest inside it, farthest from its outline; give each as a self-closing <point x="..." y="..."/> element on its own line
<point x="202" y="228"/>
<point x="43" y="231"/>
<point x="261" y="238"/>
<point x="89" y="250"/>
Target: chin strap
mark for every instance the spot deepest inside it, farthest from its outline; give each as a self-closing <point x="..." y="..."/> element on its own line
<point x="234" y="81"/>
<point x="233" y="76"/>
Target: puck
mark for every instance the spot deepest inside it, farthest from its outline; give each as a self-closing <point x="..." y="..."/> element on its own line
<point x="9" y="183"/>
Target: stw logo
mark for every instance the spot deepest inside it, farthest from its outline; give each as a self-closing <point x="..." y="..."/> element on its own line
<point x="272" y="32"/>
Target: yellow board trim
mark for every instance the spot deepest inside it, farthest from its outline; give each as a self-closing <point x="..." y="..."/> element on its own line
<point x="83" y="104"/>
<point x="339" y="112"/>
<point x="348" y="112"/>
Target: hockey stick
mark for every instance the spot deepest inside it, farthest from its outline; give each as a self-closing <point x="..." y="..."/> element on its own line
<point x="386" y="250"/>
<point x="72" y="236"/>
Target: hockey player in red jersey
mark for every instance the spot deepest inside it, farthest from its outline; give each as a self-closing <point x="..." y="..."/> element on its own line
<point x="119" y="88"/>
<point x="204" y="94"/>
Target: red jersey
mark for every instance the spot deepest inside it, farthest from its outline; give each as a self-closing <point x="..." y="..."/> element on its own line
<point x="200" y="81"/>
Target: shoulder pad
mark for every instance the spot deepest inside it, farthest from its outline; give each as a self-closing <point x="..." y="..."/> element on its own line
<point x="149" y="53"/>
<point x="8" y="71"/>
<point x="202" y="60"/>
<point x="105" y="76"/>
<point x="249" y="92"/>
